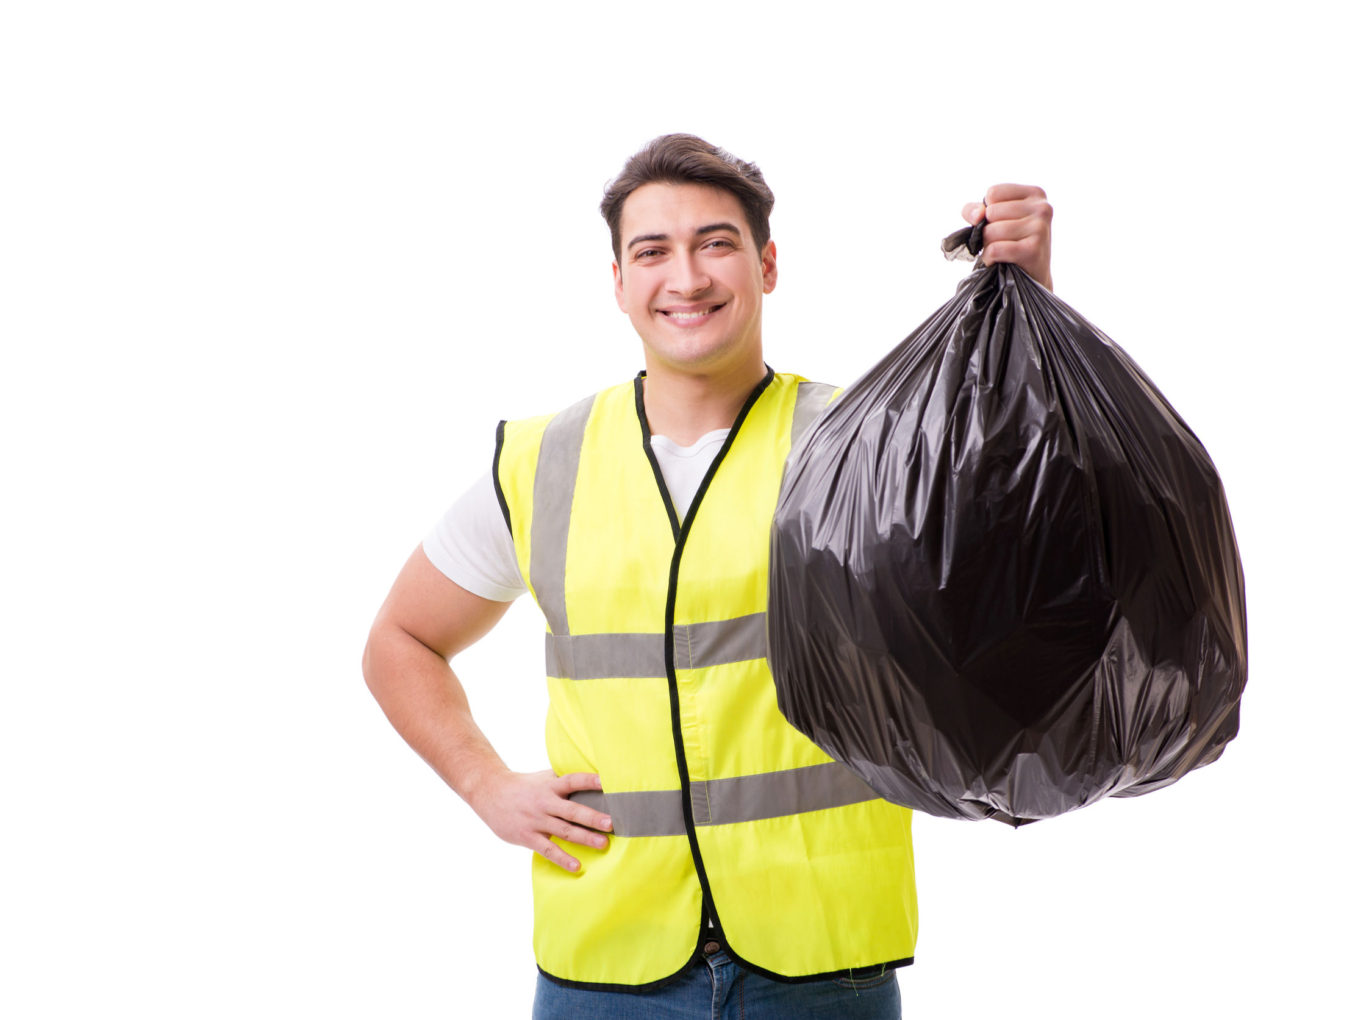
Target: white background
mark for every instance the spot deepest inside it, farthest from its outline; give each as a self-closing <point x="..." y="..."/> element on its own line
<point x="270" y="273"/>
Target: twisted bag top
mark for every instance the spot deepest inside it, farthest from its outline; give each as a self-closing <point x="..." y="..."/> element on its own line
<point x="1004" y="581"/>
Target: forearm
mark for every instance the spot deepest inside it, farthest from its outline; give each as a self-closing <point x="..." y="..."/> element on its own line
<point x="425" y="702"/>
<point x="425" y="621"/>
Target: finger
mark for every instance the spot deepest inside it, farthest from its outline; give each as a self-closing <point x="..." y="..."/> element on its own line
<point x="1022" y="252"/>
<point x="1020" y="209"/>
<point x="1015" y="230"/>
<point x="579" y="834"/>
<point x="1008" y="192"/>
<point x="586" y="817"/>
<point x="572" y="782"/>
<point x="972" y="212"/>
<point x="573" y="810"/>
<point x="553" y="853"/>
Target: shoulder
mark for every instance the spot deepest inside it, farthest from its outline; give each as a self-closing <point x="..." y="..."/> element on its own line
<point x="549" y="445"/>
<point x="807" y="397"/>
<point x="521" y="443"/>
<point x="802" y="402"/>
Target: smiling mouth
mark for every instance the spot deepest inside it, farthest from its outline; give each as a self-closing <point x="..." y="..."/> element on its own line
<point x="691" y="317"/>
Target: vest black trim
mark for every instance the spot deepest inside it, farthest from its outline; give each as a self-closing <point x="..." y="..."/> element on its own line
<point x="716" y="931"/>
<point x="498" y="489"/>
<point x="649" y="454"/>
<point x="874" y="970"/>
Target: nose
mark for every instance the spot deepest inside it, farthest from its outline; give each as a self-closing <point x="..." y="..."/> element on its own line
<point x="687" y="277"/>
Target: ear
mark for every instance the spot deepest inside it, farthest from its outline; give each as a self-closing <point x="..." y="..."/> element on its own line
<point x="618" y="287"/>
<point x="769" y="267"/>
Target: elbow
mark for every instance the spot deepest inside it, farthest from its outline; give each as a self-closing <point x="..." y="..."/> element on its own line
<point x="369" y="662"/>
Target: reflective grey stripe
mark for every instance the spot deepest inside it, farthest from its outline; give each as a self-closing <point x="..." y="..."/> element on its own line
<point x="601" y="656"/>
<point x="810" y="400"/>
<point x="773" y="794"/>
<point x="713" y="644"/>
<point x="557" y="468"/>
<point x="695" y="646"/>
<point x="638" y="814"/>
<point x="724" y="801"/>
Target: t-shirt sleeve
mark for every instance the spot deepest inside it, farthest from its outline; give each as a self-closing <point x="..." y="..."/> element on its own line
<point x="473" y="547"/>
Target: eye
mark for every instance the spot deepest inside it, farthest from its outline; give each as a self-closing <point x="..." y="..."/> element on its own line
<point x="647" y="253"/>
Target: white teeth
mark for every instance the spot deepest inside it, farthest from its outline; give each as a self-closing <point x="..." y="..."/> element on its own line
<point x="688" y="315"/>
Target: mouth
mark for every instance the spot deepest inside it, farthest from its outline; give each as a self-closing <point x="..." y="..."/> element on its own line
<point x="689" y="316"/>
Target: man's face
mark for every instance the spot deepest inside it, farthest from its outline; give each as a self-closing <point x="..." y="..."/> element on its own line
<point x="691" y="280"/>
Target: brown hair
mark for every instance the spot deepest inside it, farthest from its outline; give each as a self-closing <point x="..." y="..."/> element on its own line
<point x="687" y="159"/>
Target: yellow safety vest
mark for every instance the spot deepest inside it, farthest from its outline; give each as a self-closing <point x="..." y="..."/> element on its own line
<point x="729" y="824"/>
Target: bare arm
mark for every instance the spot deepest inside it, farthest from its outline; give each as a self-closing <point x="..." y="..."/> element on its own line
<point x="425" y="621"/>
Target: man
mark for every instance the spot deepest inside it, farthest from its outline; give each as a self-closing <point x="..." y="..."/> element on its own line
<point x="746" y="870"/>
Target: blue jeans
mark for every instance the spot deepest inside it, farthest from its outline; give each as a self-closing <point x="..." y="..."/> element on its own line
<point x="722" y="990"/>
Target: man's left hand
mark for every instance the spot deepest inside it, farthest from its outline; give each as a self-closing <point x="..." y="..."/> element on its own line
<point x="1018" y="228"/>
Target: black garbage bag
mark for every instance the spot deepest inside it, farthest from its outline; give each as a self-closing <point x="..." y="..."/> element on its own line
<point x="1004" y="581"/>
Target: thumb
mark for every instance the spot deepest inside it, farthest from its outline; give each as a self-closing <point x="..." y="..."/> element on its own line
<point x="972" y="212"/>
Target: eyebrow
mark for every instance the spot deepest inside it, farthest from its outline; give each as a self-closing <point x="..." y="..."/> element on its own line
<point x="709" y="228"/>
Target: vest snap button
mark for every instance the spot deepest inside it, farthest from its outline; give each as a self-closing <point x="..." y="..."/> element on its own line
<point x="711" y="947"/>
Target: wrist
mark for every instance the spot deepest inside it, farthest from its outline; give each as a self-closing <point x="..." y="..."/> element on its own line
<point x="478" y="785"/>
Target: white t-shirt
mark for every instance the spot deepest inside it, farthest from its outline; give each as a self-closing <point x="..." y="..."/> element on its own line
<point x="472" y="544"/>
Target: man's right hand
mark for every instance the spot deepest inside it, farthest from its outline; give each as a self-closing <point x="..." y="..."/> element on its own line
<point x="527" y="808"/>
<point x="425" y="621"/>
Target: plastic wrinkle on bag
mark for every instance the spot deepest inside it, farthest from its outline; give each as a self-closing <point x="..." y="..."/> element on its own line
<point x="1004" y="582"/>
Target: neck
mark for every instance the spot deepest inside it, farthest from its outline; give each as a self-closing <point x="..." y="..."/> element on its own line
<point x="685" y="407"/>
